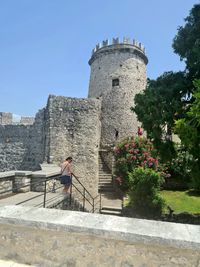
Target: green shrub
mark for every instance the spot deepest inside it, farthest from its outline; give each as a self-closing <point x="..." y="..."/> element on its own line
<point x="144" y="186"/>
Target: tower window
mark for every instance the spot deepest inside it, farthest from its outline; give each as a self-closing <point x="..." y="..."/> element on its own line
<point x="115" y="82"/>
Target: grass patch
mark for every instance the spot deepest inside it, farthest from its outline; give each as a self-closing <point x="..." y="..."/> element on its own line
<point x="182" y="201"/>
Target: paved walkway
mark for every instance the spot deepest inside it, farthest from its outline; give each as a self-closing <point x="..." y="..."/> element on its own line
<point x="111" y="199"/>
<point x="34" y="199"/>
<point x="12" y="264"/>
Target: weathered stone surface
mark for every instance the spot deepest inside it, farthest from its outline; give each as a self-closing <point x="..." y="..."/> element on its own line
<point x="126" y="63"/>
<point x="48" y="237"/>
<point x="74" y="130"/>
<point x="76" y="127"/>
<point x="5" y="118"/>
<point x="22" y="147"/>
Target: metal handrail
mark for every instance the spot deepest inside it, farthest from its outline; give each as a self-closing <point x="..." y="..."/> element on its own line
<point x="93" y="202"/>
<point x="83" y="194"/>
<point x="81" y="184"/>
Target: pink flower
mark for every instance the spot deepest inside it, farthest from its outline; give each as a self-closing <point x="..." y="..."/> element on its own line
<point x="126" y="146"/>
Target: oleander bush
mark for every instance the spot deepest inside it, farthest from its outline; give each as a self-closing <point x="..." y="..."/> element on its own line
<point x="130" y="153"/>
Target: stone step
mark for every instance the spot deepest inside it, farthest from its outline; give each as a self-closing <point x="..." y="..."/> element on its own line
<point x="105" y="182"/>
<point x="105" y="178"/>
<point x="105" y="175"/>
<point x="105" y="171"/>
<point x="105" y="186"/>
<point x="106" y="189"/>
<point x="113" y="208"/>
<point x="111" y="212"/>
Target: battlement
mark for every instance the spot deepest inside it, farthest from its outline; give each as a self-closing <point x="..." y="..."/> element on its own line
<point x="7" y="118"/>
<point x="126" y="45"/>
<point x="117" y="41"/>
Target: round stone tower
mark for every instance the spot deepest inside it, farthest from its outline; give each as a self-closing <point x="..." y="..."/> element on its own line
<point x="118" y="72"/>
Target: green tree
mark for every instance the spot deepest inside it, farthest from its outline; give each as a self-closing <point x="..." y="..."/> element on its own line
<point x="158" y="105"/>
<point x="187" y="43"/>
<point x="188" y="129"/>
<point x="166" y="98"/>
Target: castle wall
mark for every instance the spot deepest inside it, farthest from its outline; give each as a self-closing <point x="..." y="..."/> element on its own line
<point x="27" y="120"/>
<point x="5" y="118"/>
<point x="22" y="147"/>
<point x="50" y="237"/>
<point x="74" y="130"/>
<point x="128" y="65"/>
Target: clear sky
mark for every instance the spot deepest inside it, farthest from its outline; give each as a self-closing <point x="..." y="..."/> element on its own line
<point x="45" y="45"/>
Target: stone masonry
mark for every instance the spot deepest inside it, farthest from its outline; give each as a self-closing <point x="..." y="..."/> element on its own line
<point x="81" y="127"/>
<point x="5" y="118"/>
<point x="50" y="237"/>
<point x="118" y="72"/>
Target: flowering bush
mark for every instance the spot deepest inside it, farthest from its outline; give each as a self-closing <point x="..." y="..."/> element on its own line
<point x="131" y="153"/>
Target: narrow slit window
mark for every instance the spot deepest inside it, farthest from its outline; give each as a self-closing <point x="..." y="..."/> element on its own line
<point x="115" y="82"/>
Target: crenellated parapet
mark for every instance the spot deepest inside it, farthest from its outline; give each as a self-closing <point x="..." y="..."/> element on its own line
<point x="117" y="41"/>
<point x="126" y="43"/>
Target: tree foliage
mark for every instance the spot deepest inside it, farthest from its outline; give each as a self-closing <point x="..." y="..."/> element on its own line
<point x="188" y="129"/>
<point x="187" y="43"/>
<point x="166" y="98"/>
<point x="158" y="105"/>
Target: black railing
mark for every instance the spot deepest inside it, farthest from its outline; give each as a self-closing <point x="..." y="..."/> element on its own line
<point x="86" y="196"/>
<point x="89" y="203"/>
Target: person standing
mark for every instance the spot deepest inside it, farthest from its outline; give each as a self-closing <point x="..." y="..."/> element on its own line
<point x="66" y="173"/>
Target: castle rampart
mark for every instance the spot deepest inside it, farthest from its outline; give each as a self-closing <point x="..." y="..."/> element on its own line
<point x="80" y="127"/>
<point x="27" y="120"/>
<point x="22" y="146"/>
<point x="125" y="46"/>
<point x="73" y="129"/>
<point x="5" y="118"/>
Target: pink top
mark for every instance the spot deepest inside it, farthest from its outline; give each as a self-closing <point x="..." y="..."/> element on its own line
<point x="66" y="168"/>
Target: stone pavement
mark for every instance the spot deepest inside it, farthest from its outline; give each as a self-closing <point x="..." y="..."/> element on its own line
<point x="12" y="264"/>
<point x="34" y="199"/>
<point x="111" y="199"/>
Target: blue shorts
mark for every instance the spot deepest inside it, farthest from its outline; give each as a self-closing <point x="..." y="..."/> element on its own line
<point x="66" y="180"/>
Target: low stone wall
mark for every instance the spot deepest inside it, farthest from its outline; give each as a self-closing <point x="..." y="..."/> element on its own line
<point x="46" y="237"/>
<point x="6" y="181"/>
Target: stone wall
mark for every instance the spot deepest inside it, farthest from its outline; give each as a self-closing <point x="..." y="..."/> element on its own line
<point x="127" y="64"/>
<point x="22" y="147"/>
<point x="6" y="118"/>
<point x="73" y="129"/>
<point x="27" y="120"/>
<point x="47" y="237"/>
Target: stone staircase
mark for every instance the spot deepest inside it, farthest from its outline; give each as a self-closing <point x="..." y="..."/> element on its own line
<point x="111" y="202"/>
<point x="105" y="178"/>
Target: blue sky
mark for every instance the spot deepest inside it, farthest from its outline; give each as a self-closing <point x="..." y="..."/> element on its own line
<point x="45" y="45"/>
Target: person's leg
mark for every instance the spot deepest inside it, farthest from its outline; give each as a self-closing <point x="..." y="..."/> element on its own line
<point x="66" y="188"/>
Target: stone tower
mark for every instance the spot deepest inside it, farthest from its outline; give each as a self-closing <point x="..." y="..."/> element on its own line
<point x="118" y="72"/>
